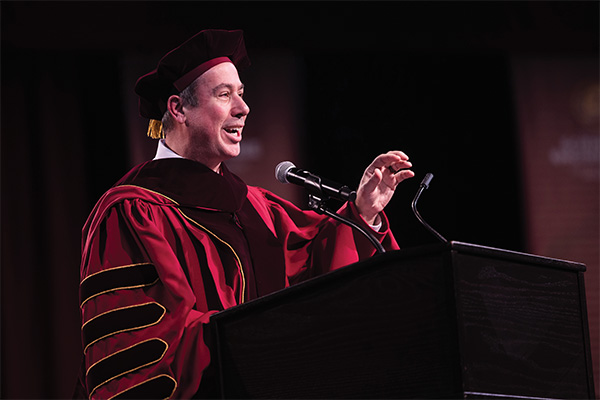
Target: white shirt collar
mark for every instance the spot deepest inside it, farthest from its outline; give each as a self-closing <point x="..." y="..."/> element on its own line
<point x="164" y="152"/>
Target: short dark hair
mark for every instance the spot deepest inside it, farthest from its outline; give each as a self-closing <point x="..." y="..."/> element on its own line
<point x="188" y="98"/>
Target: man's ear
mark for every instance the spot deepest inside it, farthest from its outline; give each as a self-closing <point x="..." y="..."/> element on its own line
<point x="175" y="108"/>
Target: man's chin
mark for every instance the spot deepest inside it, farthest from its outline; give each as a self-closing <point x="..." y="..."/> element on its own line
<point x="232" y="154"/>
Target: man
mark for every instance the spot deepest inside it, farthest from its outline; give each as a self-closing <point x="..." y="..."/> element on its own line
<point x="180" y="237"/>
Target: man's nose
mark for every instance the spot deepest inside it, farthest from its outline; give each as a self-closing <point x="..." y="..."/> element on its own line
<point x="240" y="109"/>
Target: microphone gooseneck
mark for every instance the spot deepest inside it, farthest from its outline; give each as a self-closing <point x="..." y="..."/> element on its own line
<point x="425" y="185"/>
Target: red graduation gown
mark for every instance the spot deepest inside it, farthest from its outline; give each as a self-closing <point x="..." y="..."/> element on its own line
<point x="171" y="244"/>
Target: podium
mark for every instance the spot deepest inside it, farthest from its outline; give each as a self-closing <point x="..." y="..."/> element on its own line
<point x="444" y="321"/>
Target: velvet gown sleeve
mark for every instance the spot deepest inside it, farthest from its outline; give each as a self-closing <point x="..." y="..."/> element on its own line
<point x="314" y="244"/>
<point x="143" y="306"/>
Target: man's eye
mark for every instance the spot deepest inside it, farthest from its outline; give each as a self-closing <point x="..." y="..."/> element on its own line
<point x="224" y="94"/>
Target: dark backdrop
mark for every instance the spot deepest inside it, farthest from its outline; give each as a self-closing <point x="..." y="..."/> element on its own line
<point x="430" y="78"/>
<point x="451" y="113"/>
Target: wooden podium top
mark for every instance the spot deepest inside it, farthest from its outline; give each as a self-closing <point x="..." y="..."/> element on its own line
<point x="452" y="320"/>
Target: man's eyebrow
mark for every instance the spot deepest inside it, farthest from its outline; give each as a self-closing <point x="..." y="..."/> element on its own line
<point x="226" y="86"/>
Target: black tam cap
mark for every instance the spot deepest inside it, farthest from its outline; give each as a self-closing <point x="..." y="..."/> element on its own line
<point x="181" y="66"/>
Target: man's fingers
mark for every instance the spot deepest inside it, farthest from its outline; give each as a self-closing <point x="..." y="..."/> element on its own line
<point x="404" y="174"/>
<point x="370" y="181"/>
<point x="399" y="153"/>
<point x="389" y="158"/>
<point x="399" y="166"/>
<point x="391" y="167"/>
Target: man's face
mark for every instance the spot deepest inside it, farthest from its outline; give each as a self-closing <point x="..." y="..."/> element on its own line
<point x="216" y="124"/>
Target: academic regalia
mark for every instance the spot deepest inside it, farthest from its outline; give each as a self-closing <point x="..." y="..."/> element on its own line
<point x="172" y="243"/>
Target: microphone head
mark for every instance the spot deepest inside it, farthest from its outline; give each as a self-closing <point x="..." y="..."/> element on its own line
<point x="427" y="180"/>
<point x="282" y="169"/>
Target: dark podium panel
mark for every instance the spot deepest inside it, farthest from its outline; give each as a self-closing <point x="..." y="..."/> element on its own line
<point x="446" y="321"/>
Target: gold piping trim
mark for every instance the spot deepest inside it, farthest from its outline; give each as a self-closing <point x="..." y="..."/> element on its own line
<point x="148" y="380"/>
<point x="113" y="268"/>
<point x="131" y="370"/>
<point x="123" y="330"/>
<point x="239" y="262"/>
<point x="116" y="288"/>
<point x="151" y="191"/>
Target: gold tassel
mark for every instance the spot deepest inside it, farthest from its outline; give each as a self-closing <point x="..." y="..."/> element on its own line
<point x="155" y="130"/>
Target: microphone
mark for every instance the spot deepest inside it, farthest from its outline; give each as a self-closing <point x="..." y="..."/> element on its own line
<point x="425" y="185"/>
<point x="286" y="172"/>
